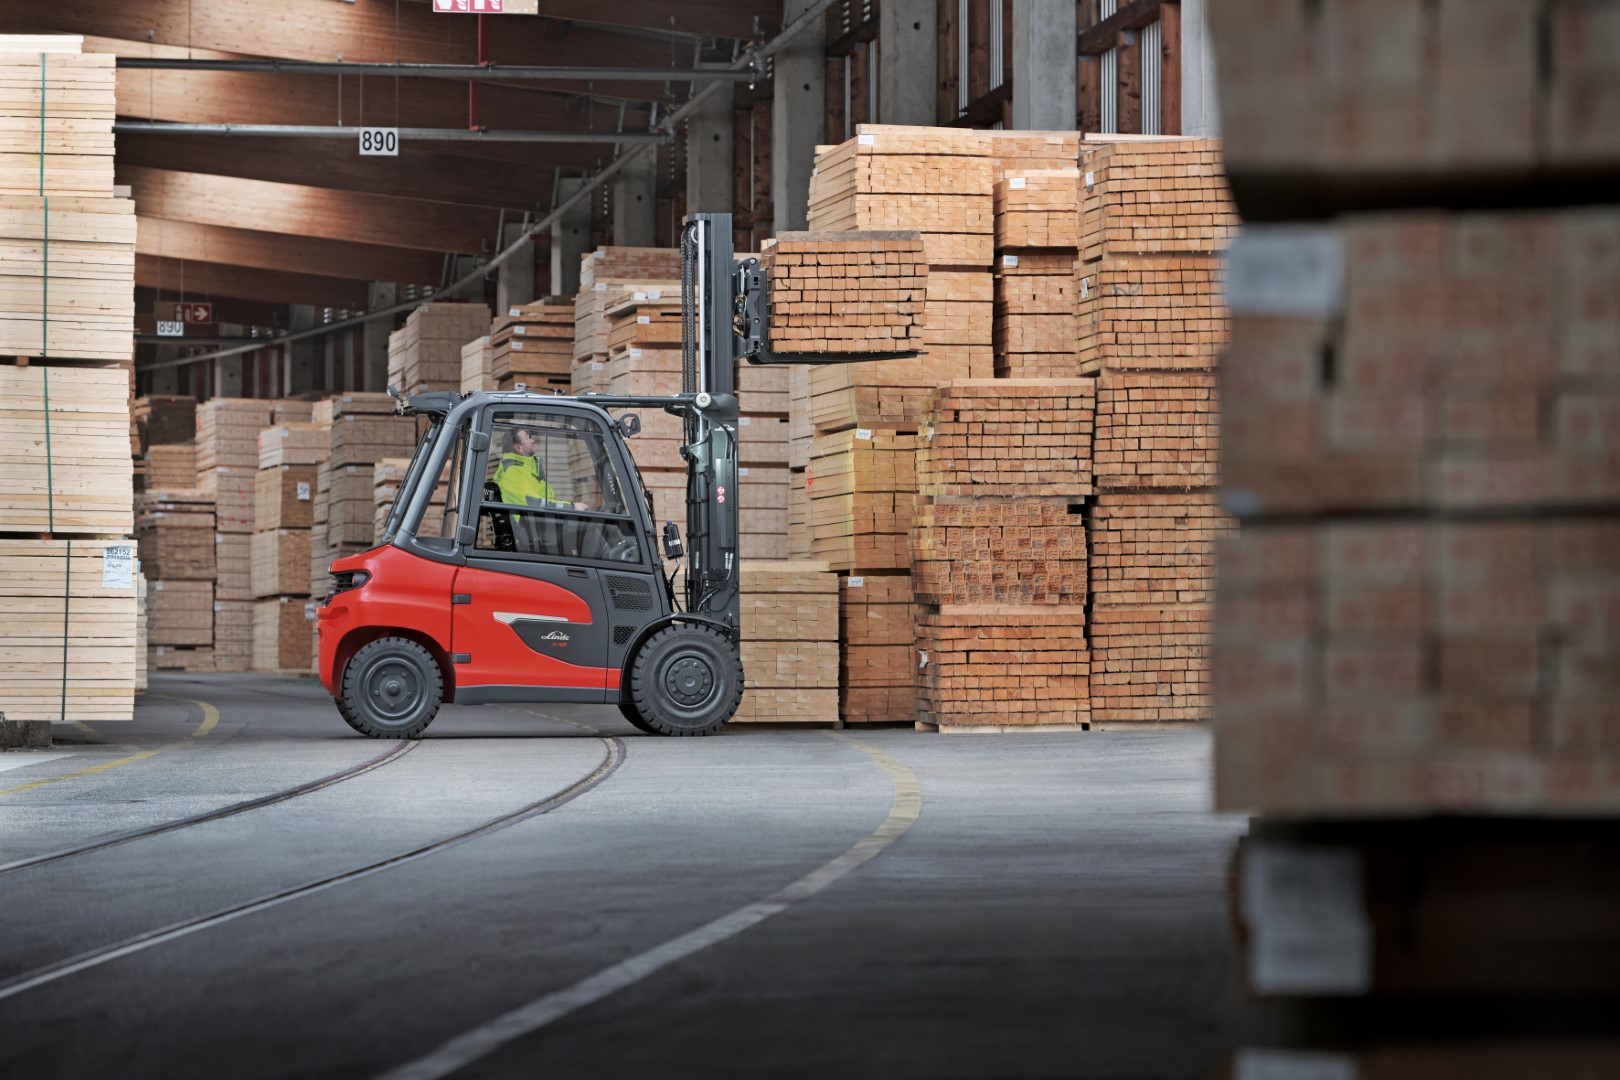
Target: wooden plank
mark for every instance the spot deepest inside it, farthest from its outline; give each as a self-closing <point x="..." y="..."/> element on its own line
<point x="1129" y="55"/>
<point x="1170" y="69"/>
<point x="945" y="56"/>
<point x="204" y="280"/>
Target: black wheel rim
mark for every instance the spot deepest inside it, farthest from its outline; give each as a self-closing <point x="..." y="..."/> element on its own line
<point x="393" y="691"/>
<point x="689" y="681"/>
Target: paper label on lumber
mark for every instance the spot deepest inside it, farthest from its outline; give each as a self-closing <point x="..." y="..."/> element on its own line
<point x="1286" y="270"/>
<point x="1308" y="931"/>
<point x="857" y="582"/>
<point x="118" y="567"/>
<point x="1015" y="182"/>
<point x="303" y="491"/>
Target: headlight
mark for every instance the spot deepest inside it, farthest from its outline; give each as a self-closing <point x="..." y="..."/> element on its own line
<point x="344" y="580"/>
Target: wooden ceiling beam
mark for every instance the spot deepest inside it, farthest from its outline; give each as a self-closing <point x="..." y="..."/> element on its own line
<point x="419" y="174"/>
<point x="708" y="18"/>
<point x="303" y="210"/>
<point x="362" y="32"/>
<point x="177" y="241"/>
<point x="204" y="280"/>
<point x="220" y="97"/>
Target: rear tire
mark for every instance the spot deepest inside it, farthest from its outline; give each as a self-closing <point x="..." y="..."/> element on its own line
<point x="686" y="680"/>
<point x="391" y="689"/>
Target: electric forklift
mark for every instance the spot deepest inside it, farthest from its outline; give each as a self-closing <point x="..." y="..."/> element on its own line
<point x="521" y="561"/>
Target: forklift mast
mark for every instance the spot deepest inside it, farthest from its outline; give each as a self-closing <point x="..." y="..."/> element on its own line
<point x="709" y="283"/>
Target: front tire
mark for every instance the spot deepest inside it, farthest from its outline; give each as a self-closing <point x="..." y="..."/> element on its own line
<point x="686" y="680"/>
<point x="637" y="721"/>
<point x="391" y="689"/>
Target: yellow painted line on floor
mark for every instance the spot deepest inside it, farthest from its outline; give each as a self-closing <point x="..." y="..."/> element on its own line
<point x="484" y="1040"/>
<point x="210" y="721"/>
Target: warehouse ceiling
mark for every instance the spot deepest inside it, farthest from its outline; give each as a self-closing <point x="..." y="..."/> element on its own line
<point x="293" y="220"/>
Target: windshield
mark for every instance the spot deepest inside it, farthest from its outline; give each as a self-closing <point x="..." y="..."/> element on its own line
<point x="408" y="483"/>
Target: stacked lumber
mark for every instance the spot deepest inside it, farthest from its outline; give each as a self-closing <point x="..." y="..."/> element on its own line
<point x="532" y="344"/>
<point x="860" y="490"/>
<point x="997" y="666"/>
<point x="174" y="534"/>
<point x="364" y="431"/>
<point x="1156" y="430"/>
<point x="877" y="619"/>
<point x="1475" y="370"/>
<point x="477" y="366"/>
<point x="168" y="467"/>
<point x="1355" y="92"/>
<point x="1447" y="398"/>
<point x="607" y="274"/>
<point x="845" y="292"/>
<point x="425" y="353"/>
<point x="387" y="475"/>
<point x="1155" y="215"/>
<point x="65" y="469"/>
<point x="1004" y="470"/>
<point x="141" y="644"/>
<point x="282" y="634"/>
<point x="1417" y="655"/>
<point x="227" y="466"/>
<point x="283" y="544"/>
<point x="789" y="642"/>
<point x="67" y="246"/>
<point x="67" y="629"/>
<point x="165" y="420"/>
<point x="1037" y="225"/>
<point x="644" y="335"/>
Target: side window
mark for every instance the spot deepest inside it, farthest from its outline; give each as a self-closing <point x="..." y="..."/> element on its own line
<point x="440" y="515"/>
<point x="550" y="488"/>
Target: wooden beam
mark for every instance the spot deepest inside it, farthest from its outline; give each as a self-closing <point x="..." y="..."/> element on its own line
<point x="417" y="174"/>
<point x="274" y="251"/>
<point x="360" y="32"/>
<point x="1088" y="78"/>
<point x="706" y="18"/>
<point x="946" y="57"/>
<point x="201" y="280"/>
<point x="978" y="55"/>
<point x="1130" y="84"/>
<point x="1170" y="69"/>
<point x="1099" y="38"/>
<point x="302" y="210"/>
<point x="221" y="97"/>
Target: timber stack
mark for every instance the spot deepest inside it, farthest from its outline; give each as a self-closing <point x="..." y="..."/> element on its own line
<point x="789" y="642"/>
<point x="1154" y="217"/>
<point x="998" y="554"/>
<point x="533" y="345"/>
<point x="284" y="504"/>
<point x="608" y="273"/>
<point x="68" y="591"/>
<point x="1416" y="646"/>
<point x="227" y="464"/>
<point x="425" y="353"/>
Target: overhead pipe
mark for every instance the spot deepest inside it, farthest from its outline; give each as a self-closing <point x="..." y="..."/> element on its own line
<point x="478" y="72"/>
<point x="748" y="60"/>
<point x="309" y="131"/>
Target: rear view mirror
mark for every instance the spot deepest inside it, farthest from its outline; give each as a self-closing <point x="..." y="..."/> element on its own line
<point x="630" y="424"/>
<point x="479" y="442"/>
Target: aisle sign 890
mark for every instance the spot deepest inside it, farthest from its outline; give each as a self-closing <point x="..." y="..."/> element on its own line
<point x="379" y="142"/>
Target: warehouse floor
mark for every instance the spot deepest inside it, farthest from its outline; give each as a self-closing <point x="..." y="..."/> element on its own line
<point x="767" y="902"/>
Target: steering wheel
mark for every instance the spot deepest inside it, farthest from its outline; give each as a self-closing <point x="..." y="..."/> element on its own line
<point x="621" y="550"/>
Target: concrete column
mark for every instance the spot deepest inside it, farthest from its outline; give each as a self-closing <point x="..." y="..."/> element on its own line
<point x="374" y="369"/>
<point x="228" y="376"/>
<point x="514" y="278"/>
<point x="298" y="371"/>
<point x="570" y="238"/>
<point x="1200" y="110"/>
<point x="709" y="140"/>
<point x="1044" y="40"/>
<point x="908" y="61"/>
<point x="798" y="118"/>
<point x="165" y="380"/>
<point x="635" y="202"/>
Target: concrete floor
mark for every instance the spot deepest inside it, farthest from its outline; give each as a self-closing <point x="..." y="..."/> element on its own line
<point x="1055" y="908"/>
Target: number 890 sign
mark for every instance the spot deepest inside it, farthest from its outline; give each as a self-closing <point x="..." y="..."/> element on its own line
<point x="382" y="142"/>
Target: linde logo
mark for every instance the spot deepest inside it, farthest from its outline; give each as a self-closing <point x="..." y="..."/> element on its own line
<point x="555" y="635"/>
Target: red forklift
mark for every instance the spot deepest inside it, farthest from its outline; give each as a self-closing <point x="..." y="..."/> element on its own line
<point x="521" y="561"/>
